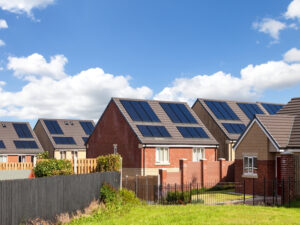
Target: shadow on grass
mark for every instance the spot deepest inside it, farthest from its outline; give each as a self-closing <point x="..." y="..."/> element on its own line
<point x="293" y="204"/>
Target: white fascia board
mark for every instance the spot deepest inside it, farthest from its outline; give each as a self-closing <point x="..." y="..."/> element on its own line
<point x="179" y="146"/>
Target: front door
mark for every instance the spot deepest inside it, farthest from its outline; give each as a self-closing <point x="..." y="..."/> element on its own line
<point x="278" y="174"/>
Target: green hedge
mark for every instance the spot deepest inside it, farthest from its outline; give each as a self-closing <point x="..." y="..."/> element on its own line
<point x="111" y="162"/>
<point x="53" y="167"/>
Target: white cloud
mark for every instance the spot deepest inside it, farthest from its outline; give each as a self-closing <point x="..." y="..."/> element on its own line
<point x="270" y="26"/>
<point x="36" y="65"/>
<point x="2" y="43"/>
<point x="292" y="55"/>
<point x="3" y="24"/>
<point x="254" y="80"/>
<point x="293" y="10"/>
<point x="84" y="95"/>
<point x="24" y="6"/>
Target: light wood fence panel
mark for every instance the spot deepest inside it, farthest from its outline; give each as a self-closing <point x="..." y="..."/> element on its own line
<point x="16" y="166"/>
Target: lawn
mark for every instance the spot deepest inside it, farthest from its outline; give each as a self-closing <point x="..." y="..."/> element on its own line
<point x="196" y="214"/>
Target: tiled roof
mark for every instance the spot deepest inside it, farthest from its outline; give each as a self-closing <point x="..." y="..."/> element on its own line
<point x="176" y="138"/>
<point x="292" y="108"/>
<point x="70" y="128"/>
<point x="8" y="135"/>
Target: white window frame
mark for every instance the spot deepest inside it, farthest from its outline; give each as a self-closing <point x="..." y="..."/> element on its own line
<point x="63" y="154"/>
<point x="250" y="168"/>
<point x="198" y="154"/>
<point x="22" y="157"/>
<point x="3" y="158"/>
<point x="162" y="156"/>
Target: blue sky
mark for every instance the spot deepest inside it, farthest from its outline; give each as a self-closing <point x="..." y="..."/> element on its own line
<point x="67" y="58"/>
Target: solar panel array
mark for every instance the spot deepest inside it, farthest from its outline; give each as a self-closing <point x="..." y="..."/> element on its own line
<point x="153" y="131"/>
<point x="221" y="110"/>
<point x="234" y="128"/>
<point x="26" y="144"/>
<point x="85" y="139"/>
<point x="178" y="113"/>
<point x="53" y="127"/>
<point x="2" y="145"/>
<point x="64" y="140"/>
<point x="272" y="108"/>
<point x="250" y="109"/>
<point x="88" y="127"/>
<point x="192" y="132"/>
<point x="22" y="130"/>
<point x="139" y="111"/>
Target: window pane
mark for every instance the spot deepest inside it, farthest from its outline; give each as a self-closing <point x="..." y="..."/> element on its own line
<point x="254" y="165"/>
<point x="157" y="155"/>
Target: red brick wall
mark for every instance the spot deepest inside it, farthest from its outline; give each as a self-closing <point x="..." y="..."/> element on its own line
<point x="112" y="128"/>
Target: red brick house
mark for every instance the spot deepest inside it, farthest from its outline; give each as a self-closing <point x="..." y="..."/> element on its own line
<point x="151" y="135"/>
<point x="18" y="143"/>
<point x="270" y="148"/>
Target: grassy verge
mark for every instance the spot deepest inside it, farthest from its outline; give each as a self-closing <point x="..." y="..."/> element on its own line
<point x="195" y="214"/>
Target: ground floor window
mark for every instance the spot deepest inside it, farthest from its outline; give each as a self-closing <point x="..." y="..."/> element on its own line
<point x="250" y="165"/>
<point x="198" y="154"/>
<point x="63" y="154"/>
<point x="22" y="158"/>
<point x="3" y="158"/>
<point x="162" y="155"/>
<point x="74" y="155"/>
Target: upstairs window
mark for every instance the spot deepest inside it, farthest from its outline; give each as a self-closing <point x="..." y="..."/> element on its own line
<point x="250" y="165"/>
<point x="198" y="154"/>
<point x="162" y="155"/>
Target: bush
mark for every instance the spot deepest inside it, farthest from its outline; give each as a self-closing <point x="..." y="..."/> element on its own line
<point x="43" y="155"/>
<point x="111" y="162"/>
<point x="128" y="197"/>
<point x="108" y="193"/>
<point x="53" y="167"/>
<point x="177" y="197"/>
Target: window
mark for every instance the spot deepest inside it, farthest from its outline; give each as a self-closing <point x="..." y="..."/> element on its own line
<point x="198" y="154"/>
<point x="250" y="165"/>
<point x="74" y="155"/>
<point x="162" y="155"/>
<point x="22" y="158"/>
<point x="3" y="158"/>
<point x="62" y="154"/>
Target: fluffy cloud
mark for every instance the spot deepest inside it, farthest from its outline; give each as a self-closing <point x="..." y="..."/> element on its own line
<point x="24" y="6"/>
<point x="293" y="10"/>
<point x="292" y="55"/>
<point x="2" y="43"/>
<point x="270" y="26"/>
<point x="3" y="24"/>
<point x="254" y="80"/>
<point x="84" y="95"/>
<point x="36" y="65"/>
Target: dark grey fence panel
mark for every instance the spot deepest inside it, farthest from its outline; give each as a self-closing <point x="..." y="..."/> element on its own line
<point x="46" y="197"/>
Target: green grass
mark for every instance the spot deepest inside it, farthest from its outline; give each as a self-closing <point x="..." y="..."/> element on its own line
<point x="196" y="214"/>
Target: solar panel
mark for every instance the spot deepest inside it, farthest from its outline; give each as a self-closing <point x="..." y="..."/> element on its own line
<point x="53" y="127"/>
<point x="250" y="109"/>
<point x="192" y="132"/>
<point x="272" y="108"/>
<point x="153" y="131"/>
<point x="221" y="110"/>
<point x="22" y="130"/>
<point x="26" y="144"/>
<point x="85" y="139"/>
<point x="139" y="111"/>
<point x="2" y="145"/>
<point x="64" y="140"/>
<point x="88" y="127"/>
<point x="234" y="128"/>
<point x="178" y="112"/>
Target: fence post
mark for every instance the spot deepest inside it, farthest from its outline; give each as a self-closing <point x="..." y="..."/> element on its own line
<point x="273" y="185"/>
<point x="289" y="189"/>
<point x="264" y="190"/>
<point x="190" y="192"/>
<point x="282" y="193"/>
<point x="147" y="188"/>
<point x="135" y="187"/>
<point x="244" y="191"/>
<point x="253" y="190"/>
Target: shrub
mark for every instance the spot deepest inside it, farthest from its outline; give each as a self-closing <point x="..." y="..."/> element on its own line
<point x="111" y="162"/>
<point x="108" y="194"/>
<point x="43" y="155"/>
<point x="128" y="197"/>
<point x="176" y="197"/>
<point x="53" y="167"/>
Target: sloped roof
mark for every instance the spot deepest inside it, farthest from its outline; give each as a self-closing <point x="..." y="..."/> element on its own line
<point x="8" y="135"/>
<point x="176" y="138"/>
<point x="70" y="128"/>
<point x="236" y="109"/>
<point x="292" y="108"/>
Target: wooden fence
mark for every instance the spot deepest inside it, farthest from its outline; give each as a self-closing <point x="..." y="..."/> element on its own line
<point x="85" y="166"/>
<point x="16" y="166"/>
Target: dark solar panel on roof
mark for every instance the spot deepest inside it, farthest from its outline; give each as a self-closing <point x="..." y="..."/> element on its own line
<point x="53" y="127"/>
<point x="26" y="144"/>
<point x="250" y="109"/>
<point x="139" y="111"/>
<point x="178" y="112"/>
<point x="64" y="140"/>
<point x="2" y="145"/>
<point x="88" y="127"/>
<point x="85" y="139"/>
<point x="22" y="130"/>
<point x="192" y="132"/>
<point x="153" y="131"/>
<point x="234" y="128"/>
<point x="221" y="110"/>
<point x="272" y="108"/>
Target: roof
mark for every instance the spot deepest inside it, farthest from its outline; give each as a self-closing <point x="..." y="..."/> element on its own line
<point x="164" y="120"/>
<point x="242" y="116"/>
<point x="70" y="129"/>
<point x="292" y="108"/>
<point x="8" y="135"/>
